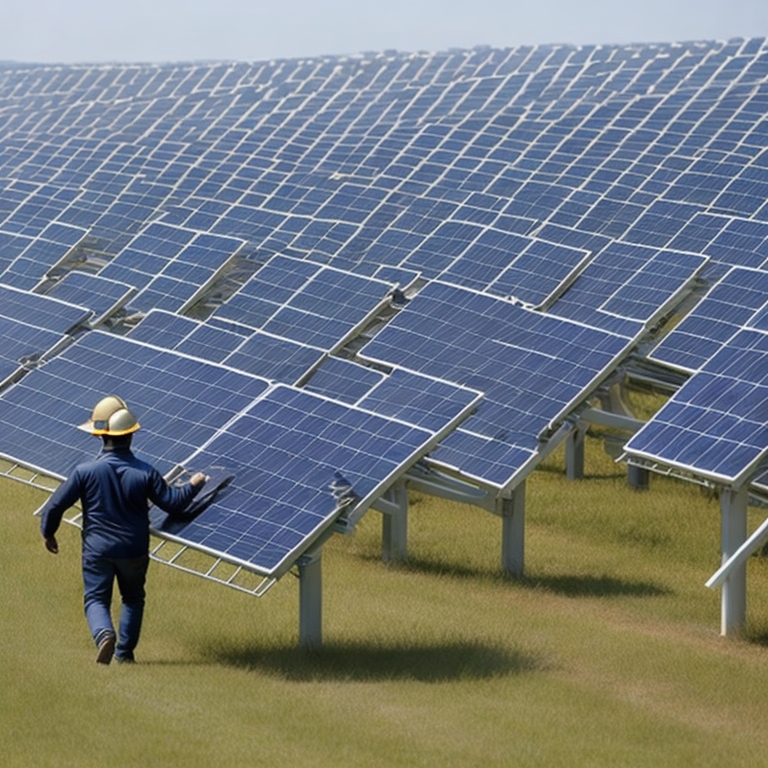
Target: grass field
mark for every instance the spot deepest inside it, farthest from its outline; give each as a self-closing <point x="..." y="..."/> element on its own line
<point x="606" y="654"/>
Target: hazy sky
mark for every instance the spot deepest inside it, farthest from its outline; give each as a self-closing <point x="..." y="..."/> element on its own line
<point x="183" y="30"/>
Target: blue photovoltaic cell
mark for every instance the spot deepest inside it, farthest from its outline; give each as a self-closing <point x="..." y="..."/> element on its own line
<point x="40" y="311"/>
<point x="210" y="343"/>
<point x="483" y="261"/>
<point x="342" y="380"/>
<point x="163" y="329"/>
<point x="274" y="358"/>
<point x="731" y="304"/>
<point x="184" y="276"/>
<point x="540" y="273"/>
<point x="480" y="457"/>
<point x="532" y="369"/>
<point x="285" y="453"/>
<point x="729" y="242"/>
<point x="183" y="334"/>
<point x="179" y="401"/>
<point x="11" y="246"/>
<point x="170" y="265"/>
<point x="760" y="320"/>
<point x="627" y="286"/>
<point x="100" y="295"/>
<point x="320" y="306"/>
<point x="266" y="291"/>
<point x="419" y="400"/>
<point x="715" y="425"/>
<point x="259" y="353"/>
<point x="147" y="255"/>
<point x="41" y="254"/>
<point x="21" y="343"/>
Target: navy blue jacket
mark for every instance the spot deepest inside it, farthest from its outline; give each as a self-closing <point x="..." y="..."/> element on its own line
<point x="114" y="491"/>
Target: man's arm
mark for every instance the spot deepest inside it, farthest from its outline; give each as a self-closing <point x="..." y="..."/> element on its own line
<point x="61" y="500"/>
<point x="174" y="499"/>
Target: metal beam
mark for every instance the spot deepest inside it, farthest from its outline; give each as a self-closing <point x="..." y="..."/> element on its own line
<point x="512" y="511"/>
<point x="733" y="606"/>
<point x="311" y="600"/>
<point x="740" y="557"/>
<point x="574" y="454"/>
<point x="394" y="525"/>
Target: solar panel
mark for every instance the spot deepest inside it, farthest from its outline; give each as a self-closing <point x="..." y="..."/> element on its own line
<point x="731" y="304"/>
<point x="170" y="266"/>
<point x="179" y="401"/>
<point x="40" y="311"/>
<point x="385" y="166"/>
<point x="420" y="400"/>
<point x="509" y="264"/>
<point x="309" y="303"/>
<point x="342" y="379"/>
<point x="714" y="426"/>
<point x="22" y="345"/>
<point x="627" y="286"/>
<point x="728" y="241"/>
<point x="52" y="246"/>
<point x="102" y="296"/>
<point x="259" y="353"/>
<point x="295" y="457"/>
<point x="533" y="369"/>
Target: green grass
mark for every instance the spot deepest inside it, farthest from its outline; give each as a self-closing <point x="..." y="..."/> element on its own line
<point x="607" y="653"/>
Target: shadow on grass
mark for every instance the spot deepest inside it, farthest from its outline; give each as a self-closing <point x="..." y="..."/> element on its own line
<point x="595" y="586"/>
<point x="568" y="585"/>
<point x="437" y="567"/>
<point x="351" y="662"/>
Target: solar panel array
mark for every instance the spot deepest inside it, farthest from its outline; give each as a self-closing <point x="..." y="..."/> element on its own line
<point x="390" y="235"/>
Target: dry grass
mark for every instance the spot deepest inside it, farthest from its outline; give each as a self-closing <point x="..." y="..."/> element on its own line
<point x="607" y="653"/>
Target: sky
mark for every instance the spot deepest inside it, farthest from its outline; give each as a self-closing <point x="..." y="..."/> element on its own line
<point x="70" y="31"/>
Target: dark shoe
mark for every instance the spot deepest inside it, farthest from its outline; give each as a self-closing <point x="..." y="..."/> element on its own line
<point x="106" y="647"/>
<point x="127" y="659"/>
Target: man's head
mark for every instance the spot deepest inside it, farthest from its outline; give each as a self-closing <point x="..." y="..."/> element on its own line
<point x="112" y="419"/>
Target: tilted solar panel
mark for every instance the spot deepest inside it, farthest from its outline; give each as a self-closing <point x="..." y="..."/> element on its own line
<point x="308" y="303"/>
<point x="104" y="297"/>
<point x="259" y="353"/>
<point x="170" y="265"/>
<point x="343" y="380"/>
<point x="40" y="311"/>
<point x="533" y="369"/>
<point x="627" y="286"/>
<point x="42" y="253"/>
<point x="299" y="461"/>
<point x="715" y="425"/>
<point x="733" y="303"/>
<point x="179" y="401"/>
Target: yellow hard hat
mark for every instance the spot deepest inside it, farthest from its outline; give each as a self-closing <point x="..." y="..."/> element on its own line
<point x="112" y="417"/>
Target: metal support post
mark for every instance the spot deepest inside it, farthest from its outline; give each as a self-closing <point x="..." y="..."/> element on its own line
<point x="512" y="511"/>
<point x="733" y="609"/>
<point x="638" y="477"/>
<point x="311" y="601"/>
<point x="395" y="525"/>
<point x="574" y="455"/>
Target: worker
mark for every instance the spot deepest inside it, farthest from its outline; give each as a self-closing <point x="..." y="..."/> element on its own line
<point x="115" y="491"/>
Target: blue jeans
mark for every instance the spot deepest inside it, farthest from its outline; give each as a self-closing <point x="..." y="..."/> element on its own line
<point x="99" y="574"/>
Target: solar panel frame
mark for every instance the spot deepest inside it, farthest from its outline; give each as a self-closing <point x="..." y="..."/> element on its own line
<point x="295" y="443"/>
<point x="513" y="355"/>
<point x="103" y="297"/>
<point x="732" y="303"/>
<point x="179" y="401"/>
<point x="714" y="427"/>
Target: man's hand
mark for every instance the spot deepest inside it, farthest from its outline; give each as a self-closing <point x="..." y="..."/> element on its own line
<point x="199" y="478"/>
<point x="52" y="545"/>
